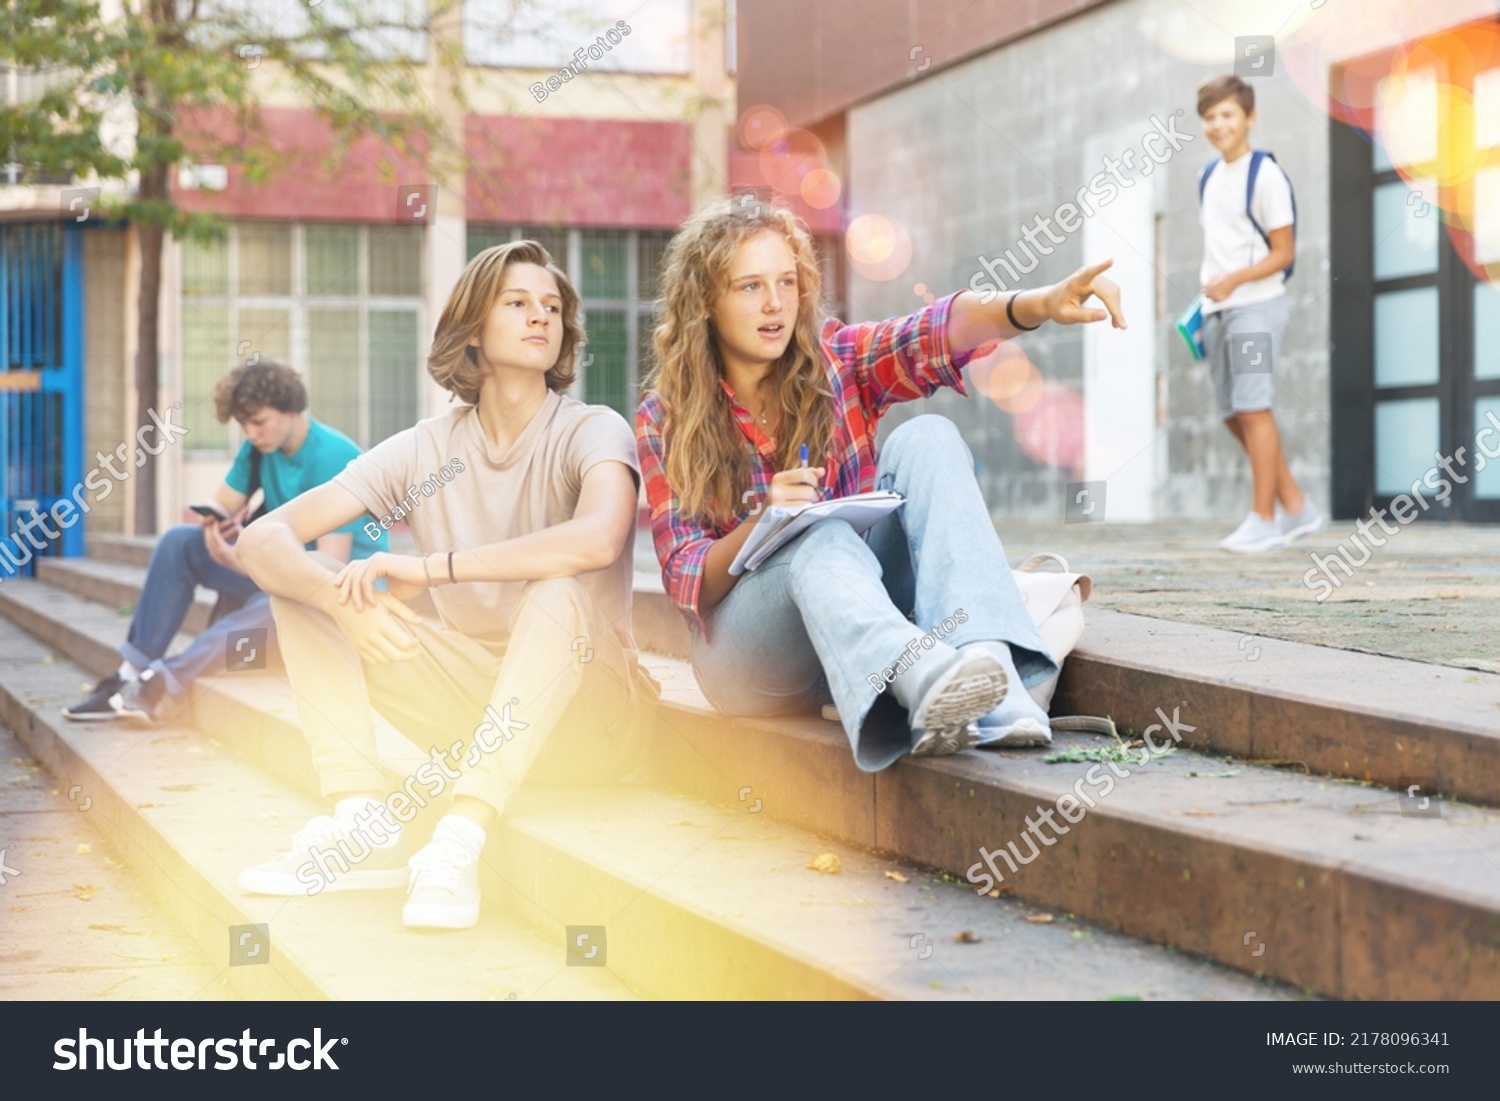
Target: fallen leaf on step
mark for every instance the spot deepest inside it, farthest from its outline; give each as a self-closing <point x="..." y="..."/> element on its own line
<point x="84" y="891"/>
<point x="83" y="848"/>
<point x="995" y="893"/>
<point x="1040" y="919"/>
<point x="897" y="876"/>
<point x="827" y="863"/>
<point x="967" y="937"/>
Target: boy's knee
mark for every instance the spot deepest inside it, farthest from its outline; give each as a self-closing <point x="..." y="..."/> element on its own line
<point x="555" y="595"/>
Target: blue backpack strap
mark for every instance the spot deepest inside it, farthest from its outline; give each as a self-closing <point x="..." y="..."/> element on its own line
<point x="1203" y="178"/>
<point x="1257" y="158"/>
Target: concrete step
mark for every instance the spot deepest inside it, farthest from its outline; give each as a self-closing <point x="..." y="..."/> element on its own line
<point x="188" y="816"/>
<point x="129" y="550"/>
<point x="116" y="584"/>
<point x="694" y="900"/>
<point x="1330" y="712"/>
<point x="698" y="901"/>
<point x="1328" y="885"/>
<point x="85" y="631"/>
<point x="1324" y="884"/>
<point x="78" y="925"/>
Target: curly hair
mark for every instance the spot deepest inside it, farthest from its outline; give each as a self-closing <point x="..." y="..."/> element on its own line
<point x="708" y="459"/>
<point x="251" y="387"/>
<point x="453" y="364"/>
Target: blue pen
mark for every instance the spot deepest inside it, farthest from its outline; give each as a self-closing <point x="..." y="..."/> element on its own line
<point x="804" y="467"/>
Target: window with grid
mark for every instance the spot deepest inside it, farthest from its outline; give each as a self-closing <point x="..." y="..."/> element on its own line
<point x="617" y="275"/>
<point x="341" y="303"/>
<point x="547" y="35"/>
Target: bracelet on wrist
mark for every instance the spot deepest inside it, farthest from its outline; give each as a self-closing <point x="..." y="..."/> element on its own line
<point x="1010" y="315"/>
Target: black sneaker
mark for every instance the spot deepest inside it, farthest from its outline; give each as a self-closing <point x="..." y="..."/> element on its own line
<point x="140" y="700"/>
<point x="96" y="706"/>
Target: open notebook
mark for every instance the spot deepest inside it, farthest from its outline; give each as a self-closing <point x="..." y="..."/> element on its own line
<point x="781" y="525"/>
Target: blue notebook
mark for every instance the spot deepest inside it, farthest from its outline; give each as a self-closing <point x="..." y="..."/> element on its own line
<point x="1190" y="325"/>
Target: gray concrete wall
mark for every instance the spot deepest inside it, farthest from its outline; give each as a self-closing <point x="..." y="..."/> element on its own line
<point x="966" y="156"/>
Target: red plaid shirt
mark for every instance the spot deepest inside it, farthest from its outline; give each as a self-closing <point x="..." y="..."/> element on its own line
<point x="870" y="367"/>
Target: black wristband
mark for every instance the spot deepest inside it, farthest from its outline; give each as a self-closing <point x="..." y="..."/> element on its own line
<point x="1010" y="315"/>
<point x="451" y="579"/>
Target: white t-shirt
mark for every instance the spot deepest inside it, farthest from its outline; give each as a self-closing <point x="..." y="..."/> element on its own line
<point x="441" y="478"/>
<point x="1230" y="242"/>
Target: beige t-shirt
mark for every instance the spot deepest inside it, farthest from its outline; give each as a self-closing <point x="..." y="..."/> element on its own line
<point x="440" y="478"/>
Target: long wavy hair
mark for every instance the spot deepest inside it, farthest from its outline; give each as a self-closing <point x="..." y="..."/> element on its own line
<point x="453" y="364"/>
<point x="708" y="457"/>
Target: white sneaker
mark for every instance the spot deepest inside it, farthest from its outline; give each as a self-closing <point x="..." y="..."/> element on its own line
<point x="971" y="687"/>
<point x="329" y="854"/>
<point x="1307" y="522"/>
<point x="941" y="743"/>
<point x="1254" y="535"/>
<point x="444" y="888"/>
<point x="1021" y="733"/>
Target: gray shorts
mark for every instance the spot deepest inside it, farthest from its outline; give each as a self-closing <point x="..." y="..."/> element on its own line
<point x="1241" y="346"/>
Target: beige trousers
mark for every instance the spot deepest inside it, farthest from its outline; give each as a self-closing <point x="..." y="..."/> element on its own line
<point x="565" y="703"/>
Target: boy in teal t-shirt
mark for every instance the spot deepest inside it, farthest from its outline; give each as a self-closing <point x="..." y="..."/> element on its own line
<point x="324" y="453"/>
<point x="285" y="453"/>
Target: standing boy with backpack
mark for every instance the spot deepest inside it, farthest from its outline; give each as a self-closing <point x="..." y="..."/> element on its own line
<point x="1249" y="216"/>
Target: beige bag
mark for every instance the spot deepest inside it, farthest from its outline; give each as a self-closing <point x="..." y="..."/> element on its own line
<point x="1054" y="600"/>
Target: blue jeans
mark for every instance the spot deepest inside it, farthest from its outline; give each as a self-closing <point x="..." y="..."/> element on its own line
<point x="179" y="563"/>
<point x="831" y="608"/>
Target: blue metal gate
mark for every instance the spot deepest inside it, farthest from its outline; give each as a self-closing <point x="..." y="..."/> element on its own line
<point x="41" y="391"/>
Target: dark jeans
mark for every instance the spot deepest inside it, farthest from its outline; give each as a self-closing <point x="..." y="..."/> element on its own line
<point x="179" y="563"/>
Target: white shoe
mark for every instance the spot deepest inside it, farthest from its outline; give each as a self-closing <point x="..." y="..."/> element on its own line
<point x="1254" y="535"/>
<point x="971" y="687"/>
<point x="444" y="888"/>
<point x="1022" y="732"/>
<point x="328" y="854"/>
<point x="941" y="743"/>
<point x="1307" y="522"/>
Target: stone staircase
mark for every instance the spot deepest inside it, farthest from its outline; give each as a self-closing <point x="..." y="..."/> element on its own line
<point x="1270" y="856"/>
